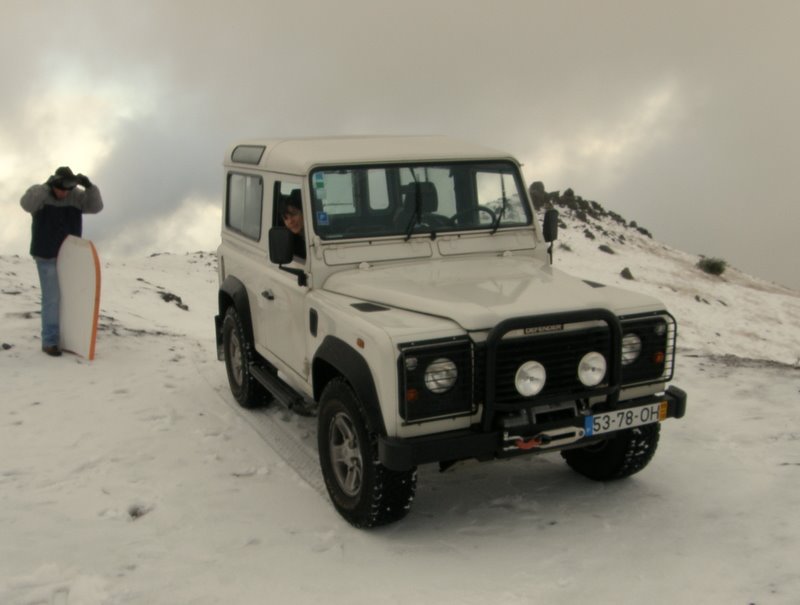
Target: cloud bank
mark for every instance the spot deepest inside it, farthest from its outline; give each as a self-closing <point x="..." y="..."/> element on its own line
<point x="682" y="116"/>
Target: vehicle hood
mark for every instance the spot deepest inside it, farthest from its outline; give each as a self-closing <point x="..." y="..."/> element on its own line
<point x="477" y="293"/>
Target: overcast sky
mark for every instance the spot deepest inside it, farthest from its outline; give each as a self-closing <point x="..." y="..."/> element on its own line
<point x="681" y="115"/>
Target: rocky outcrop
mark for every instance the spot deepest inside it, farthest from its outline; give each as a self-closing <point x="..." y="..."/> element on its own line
<point x="581" y="209"/>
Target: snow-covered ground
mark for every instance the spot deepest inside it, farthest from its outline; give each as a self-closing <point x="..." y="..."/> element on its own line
<point x="136" y="479"/>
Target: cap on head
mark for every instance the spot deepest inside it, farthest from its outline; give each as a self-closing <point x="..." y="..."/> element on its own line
<point x="63" y="178"/>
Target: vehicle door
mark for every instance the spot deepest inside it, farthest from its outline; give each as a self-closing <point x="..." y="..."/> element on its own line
<point x="282" y="301"/>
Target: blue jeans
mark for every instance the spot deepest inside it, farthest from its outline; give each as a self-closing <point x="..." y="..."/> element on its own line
<point x="51" y="298"/>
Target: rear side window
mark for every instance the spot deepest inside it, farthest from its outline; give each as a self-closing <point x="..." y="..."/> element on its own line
<point x="243" y="210"/>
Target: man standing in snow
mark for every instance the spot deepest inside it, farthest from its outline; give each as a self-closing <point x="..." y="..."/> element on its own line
<point x="57" y="207"/>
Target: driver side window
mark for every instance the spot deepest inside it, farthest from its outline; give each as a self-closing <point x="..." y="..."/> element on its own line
<point x="287" y="212"/>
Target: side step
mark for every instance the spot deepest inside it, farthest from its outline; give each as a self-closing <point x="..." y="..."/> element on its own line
<point x="285" y="394"/>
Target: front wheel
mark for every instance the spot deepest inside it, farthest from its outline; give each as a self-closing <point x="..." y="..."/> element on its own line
<point x="618" y="457"/>
<point x="363" y="491"/>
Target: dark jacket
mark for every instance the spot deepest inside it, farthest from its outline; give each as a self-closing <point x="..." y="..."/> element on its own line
<point x="54" y="219"/>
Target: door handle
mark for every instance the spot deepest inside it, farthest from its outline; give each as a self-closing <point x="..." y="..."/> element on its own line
<point x="268" y="295"/>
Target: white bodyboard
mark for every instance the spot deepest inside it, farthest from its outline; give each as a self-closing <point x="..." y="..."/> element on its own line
<point x="79" y="282"/>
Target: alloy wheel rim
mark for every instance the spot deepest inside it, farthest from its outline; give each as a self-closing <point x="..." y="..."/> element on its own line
<point x="346" y="459"/>
<point x="236" y="359"/>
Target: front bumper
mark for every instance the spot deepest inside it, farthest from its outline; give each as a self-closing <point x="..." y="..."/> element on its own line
<point x="404" y="454"/>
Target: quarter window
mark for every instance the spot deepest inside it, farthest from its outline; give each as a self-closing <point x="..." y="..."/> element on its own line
<point x="245" y="198"/>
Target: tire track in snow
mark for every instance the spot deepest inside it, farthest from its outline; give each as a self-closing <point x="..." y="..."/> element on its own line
<point x="285" y="437"/>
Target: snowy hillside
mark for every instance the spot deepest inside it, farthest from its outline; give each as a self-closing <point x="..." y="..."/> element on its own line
<point x="733" y="314"/>
<point x="135" y="479"/>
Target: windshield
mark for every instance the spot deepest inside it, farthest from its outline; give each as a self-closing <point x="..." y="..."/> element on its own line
<point x="367" y="201"/>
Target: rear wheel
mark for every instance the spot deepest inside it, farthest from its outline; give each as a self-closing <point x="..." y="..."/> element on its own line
<point x="618" y="457"/>
<point x="238" y="357"/>
<point x="363" y="491"/>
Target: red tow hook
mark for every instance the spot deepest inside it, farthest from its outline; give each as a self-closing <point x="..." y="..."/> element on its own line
<point x="532" y="443"/>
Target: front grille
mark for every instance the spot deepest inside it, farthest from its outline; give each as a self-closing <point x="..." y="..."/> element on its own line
<point x="560" y="354"/>
<point x="516" y="341"/>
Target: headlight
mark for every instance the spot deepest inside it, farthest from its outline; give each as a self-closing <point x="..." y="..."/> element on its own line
<point x="530" y="378"/>
<point x="440" y="375"/>
<point x="631" y="348"/>
<point x="648" y="348"/>
<point x="592" y="369"/>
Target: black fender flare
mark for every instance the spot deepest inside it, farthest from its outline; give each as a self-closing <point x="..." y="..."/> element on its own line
<point x="235" y="290"/>
<point x="352" y="366"/>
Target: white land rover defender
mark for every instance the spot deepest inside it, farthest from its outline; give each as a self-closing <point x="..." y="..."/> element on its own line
<point x="417" y="314"/>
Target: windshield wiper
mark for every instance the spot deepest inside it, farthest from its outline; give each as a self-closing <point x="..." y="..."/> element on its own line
<point x="496" y="224"/>
<point x="499" y="216"/>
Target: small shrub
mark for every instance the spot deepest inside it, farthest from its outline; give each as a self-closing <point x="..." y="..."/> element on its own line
<point x="606" y="249"/>
<point x="712" y="266"/>
<point x="626" y="273"/>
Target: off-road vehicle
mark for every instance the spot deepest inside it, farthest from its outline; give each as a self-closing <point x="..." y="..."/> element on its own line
<point x="420" y="318"/>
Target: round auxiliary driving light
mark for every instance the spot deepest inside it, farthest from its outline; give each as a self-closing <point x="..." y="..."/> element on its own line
<point x="592" y="369"/>
<point x="440" y="375"/>
<point x="530" y="378"/>
<point x="631" y="348"/>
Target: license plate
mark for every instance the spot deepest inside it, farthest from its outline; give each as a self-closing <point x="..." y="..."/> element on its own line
<point x="625" y="419"/>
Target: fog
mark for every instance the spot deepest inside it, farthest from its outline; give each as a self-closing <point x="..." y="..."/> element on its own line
<point x="681" y="116"/>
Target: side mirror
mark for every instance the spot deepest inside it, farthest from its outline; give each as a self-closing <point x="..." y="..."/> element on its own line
<point x="281" y="247"/>
<point x="550" y="227"/>
<point x="281" y="252"/>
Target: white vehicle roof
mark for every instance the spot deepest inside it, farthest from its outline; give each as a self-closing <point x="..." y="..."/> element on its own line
<point x="300" y="156"/>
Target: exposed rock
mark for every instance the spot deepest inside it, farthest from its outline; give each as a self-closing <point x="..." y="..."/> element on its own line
<point x="539" y="195"/>
<point x="582" y="209"/>
<point x="170" y="297"/>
